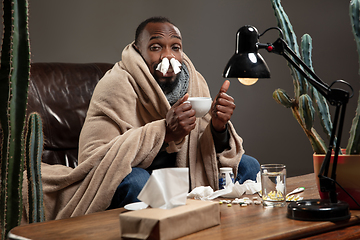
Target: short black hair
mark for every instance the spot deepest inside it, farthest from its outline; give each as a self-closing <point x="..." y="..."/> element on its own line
<point x="142" y="26"/>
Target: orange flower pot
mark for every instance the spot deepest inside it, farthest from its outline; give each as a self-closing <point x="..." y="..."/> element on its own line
<point x="347" y="175"/>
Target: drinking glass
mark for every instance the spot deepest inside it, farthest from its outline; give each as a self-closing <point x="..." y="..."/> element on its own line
<point x="273" y="185"/>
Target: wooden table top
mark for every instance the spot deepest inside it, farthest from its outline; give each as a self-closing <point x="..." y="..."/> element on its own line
<point x="252" y="222"/>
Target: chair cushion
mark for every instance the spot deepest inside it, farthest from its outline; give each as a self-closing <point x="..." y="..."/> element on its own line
<point x="61" y="93"/>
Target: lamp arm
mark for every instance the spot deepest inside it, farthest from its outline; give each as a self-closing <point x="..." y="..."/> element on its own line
<point x="281" y="47"/>
<point x="328" y="184"/>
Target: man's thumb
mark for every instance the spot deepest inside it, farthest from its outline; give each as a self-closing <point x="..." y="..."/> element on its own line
<point x="225" y="86"/>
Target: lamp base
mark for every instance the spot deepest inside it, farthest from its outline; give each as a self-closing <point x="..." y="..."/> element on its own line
<point x="318" y="210"/>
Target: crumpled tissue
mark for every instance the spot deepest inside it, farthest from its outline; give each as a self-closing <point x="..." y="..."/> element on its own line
<point x="166" y="188"/>
<point x="164" y="65"/>
<point x="175" y="64"/>
<point x="232" y="190"/>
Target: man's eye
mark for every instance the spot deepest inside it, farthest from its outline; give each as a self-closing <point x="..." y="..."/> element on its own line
<point x="154" y="48"/>
<point x="176" y="48"/>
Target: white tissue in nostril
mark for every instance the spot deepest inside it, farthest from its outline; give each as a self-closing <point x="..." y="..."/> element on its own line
<point x="163" y="67"/>
<point x="175" y="65"/>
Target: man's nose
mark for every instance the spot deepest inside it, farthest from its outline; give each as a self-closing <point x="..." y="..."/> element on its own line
<point x="167" y="54"/>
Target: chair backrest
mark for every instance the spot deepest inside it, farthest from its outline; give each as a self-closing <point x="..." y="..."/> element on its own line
<point x="61" y="93"/>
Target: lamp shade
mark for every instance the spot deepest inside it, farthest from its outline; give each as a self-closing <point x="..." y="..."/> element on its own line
<point x="246" y="62"/>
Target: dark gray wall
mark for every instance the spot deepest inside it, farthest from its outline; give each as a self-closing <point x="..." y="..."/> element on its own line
<point x="98" y="30"/>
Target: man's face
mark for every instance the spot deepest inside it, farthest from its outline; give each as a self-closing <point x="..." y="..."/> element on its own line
<point x="157" y="41"/>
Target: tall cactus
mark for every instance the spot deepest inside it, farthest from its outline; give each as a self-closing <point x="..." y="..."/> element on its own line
<point x="34" y="148"/>
<point x="290" y="38"/>
<point x="353" y="146"/>
<point x="301" y="105"/>
<point x="14" y="78"/>
<point x="320" y="103"/>
<point x="306" y="98"/>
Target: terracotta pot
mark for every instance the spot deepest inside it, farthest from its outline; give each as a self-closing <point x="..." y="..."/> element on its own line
<point x="347" y="175"/>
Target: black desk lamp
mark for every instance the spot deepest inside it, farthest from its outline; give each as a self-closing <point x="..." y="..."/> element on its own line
<point x="248" y="63"/>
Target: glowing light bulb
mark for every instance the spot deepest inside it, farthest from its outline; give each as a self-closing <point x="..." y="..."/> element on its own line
<point x="248" y="81"/>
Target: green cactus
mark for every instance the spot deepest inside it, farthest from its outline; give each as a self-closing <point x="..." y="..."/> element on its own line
<point x="304" y="112"/>
<point x="319" y="101"/>
<point x="283" y="98"/>
<point x="353" y="146"/>
<point x="354" y="11"/>
<point x="307" y="111"/>
<point x="14" y="78"/>
<point x="34" y="148"/>
<point x="303" y="107"/>
<point x="289" y="36"/>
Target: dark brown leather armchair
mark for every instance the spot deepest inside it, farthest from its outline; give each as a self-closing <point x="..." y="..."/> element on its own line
<point x="61" y="93"/>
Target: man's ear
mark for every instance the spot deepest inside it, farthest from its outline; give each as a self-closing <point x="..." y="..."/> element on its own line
<point x="136" y="48"/>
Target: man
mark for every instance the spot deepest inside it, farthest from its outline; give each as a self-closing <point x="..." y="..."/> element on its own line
<point x="138" y="118"/>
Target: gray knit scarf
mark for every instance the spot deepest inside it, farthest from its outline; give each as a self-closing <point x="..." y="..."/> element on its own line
<point x="181" y="88"/>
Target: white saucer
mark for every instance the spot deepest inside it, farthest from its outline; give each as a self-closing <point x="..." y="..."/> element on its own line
<point x="136" y="206"/>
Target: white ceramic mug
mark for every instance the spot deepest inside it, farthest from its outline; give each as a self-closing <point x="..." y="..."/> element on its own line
<point x="201" y="105"/>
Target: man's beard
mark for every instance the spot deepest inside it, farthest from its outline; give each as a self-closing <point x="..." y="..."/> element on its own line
<point x="168" y="86"/>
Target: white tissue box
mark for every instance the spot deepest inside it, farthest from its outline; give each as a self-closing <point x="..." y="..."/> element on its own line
<point x="163" y="224"/>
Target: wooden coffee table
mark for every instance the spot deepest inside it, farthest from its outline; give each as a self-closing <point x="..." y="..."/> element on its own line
<point x="252" y="222"/>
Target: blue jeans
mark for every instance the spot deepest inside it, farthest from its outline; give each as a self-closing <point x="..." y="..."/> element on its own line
<point x="247" y="169"/>
<point x="131" y="186"/>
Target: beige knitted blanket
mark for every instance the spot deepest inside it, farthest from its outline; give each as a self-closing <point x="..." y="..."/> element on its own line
<point x="124" y="128"/>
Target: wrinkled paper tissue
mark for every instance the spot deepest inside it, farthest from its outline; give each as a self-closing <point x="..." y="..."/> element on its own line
<point x="232" y="190"/>
<point x="166" y="188"/>
<point x="164" y="65"/>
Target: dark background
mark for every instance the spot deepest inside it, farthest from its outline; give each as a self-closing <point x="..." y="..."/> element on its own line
<point x="97" y="30"/>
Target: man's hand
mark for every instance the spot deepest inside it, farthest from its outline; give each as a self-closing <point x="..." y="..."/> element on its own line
<point x="180" y="120"/>
<point x="222" y="108"/>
